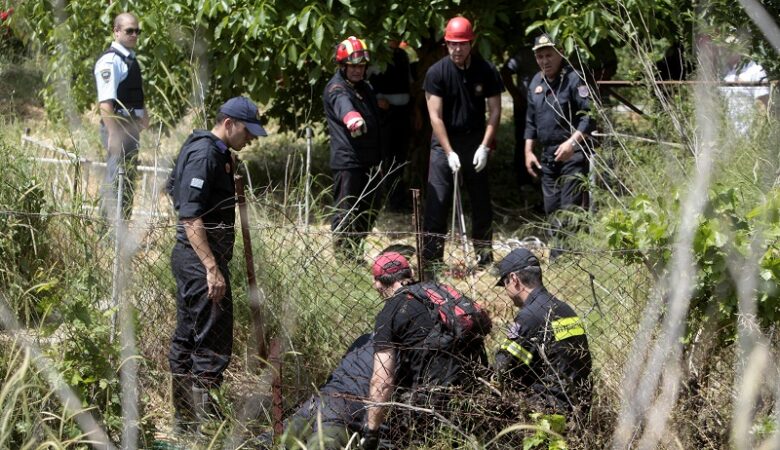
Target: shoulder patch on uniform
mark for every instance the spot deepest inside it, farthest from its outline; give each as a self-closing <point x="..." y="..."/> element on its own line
<point x="105" y="74"/>
<point x="478" y="89"/>
<point x="583" y="91"/>
<point x="538" y="89"/>
<point x="197" y="183"/>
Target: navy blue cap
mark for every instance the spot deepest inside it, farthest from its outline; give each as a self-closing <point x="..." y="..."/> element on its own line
<point x="542" y="41"/>
<point x="241" y="108"/>
<point x="517" y="259"/>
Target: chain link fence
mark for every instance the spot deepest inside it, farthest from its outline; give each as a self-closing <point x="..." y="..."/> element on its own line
<point x="313" y="304"/>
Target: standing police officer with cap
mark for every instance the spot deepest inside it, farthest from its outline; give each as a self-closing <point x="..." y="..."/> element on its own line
<point x="545" y="351"/>
<point x="203" y="192"/>
<point x="122" y="113"/>
<point x="557" y="117"/>
<point x="352" y="115"/>
<point x="457" y="88"/>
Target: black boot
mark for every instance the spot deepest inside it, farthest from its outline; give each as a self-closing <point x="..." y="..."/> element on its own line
<point x="184" y="418"/>
<point x="206" y="410"/>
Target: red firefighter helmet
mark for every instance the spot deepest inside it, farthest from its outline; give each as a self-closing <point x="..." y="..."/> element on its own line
<point x="459" y="30"/>
<point x="352" y="51"/>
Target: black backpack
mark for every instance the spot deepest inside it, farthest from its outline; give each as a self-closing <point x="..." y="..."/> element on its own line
<point x="457" y="318"/>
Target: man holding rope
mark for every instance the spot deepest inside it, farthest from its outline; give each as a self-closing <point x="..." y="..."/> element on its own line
<point x="457" y="89"/>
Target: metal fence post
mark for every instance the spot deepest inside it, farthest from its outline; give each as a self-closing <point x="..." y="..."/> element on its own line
<point x="255" y="299"/>
<point x="307" y="191"/>
<point x="276" y="387"/>
<point x="115" y="285"/>
<point x="417" y="223"/>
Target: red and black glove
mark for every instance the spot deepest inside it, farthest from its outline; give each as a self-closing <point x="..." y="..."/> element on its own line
<point x="355" y="124"/>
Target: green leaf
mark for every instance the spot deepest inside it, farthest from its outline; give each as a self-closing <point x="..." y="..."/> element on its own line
<point x="303" y="23"/>
<point x="319" y="34"/>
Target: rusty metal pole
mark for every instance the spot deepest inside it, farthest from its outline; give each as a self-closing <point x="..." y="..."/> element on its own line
<point x="276" y="387"/>
<point x="417" y="224"/>
<point x="255" y="301"/>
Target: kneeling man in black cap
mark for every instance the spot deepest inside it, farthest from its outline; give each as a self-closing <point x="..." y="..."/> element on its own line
<point x="545" y="351"/>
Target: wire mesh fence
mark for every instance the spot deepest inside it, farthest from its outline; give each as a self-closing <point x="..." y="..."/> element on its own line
<point x="314" y="304"/>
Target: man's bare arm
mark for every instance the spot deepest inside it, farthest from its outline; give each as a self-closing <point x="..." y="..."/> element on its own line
<point x="494" y="118"/>
<point x="196" y="234"/>
<point x="381" y="386"/>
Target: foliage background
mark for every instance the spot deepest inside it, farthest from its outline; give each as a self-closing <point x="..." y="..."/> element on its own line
<point x="196" y="52"/>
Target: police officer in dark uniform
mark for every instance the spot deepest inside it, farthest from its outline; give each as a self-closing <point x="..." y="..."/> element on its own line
<point x="457" y="89"/>
<point x="352" y="115"/>
<point x="203" y="192"/>
<point x="545" y="352"/>
<point x="393" y="93"/>
<point x="122" y="113"/>
<point x="557" y="117"/>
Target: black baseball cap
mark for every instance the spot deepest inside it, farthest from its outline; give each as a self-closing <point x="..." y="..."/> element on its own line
<point x="541" y="41"/>
<point x="517" y="259"/>
<point x="241" y="108"/>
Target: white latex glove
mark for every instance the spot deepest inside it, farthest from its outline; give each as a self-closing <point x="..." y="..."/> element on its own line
<point x="357" y="126"/>
<point x="454" y="161"/>
<point x="481" y="158"/>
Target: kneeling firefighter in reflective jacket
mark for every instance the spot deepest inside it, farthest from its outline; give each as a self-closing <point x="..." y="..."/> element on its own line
<point x="545" y="351"/>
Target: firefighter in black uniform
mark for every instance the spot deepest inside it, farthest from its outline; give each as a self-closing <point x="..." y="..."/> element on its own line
<point x="353" y="124"/>
<point x="457" y="89"/>
<point x="203" y="192"/>
<point x="545" y="351"/>
<point x="122" y="113"/>
<point x="557" y="117"/>
<point x="393" y="93"/>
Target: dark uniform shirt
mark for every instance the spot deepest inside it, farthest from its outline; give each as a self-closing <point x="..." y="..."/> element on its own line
<point x="201" y="184"/>
<point x="557" y="108"/>
<point x="463" y="92"/>
<point x="546" y="351"/>
<point x="339" y="98"/>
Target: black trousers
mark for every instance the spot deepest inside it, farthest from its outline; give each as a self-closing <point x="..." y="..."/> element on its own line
<point x="438" y="200"/>
<point x="356" y="206"/>
<point x="202" y="342"/>
<point x="562" y="186"/>
<point x="396" y="129"/>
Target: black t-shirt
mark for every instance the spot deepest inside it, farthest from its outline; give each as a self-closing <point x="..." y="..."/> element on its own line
<point x="353" y="374"/>
<point x="201" y="184"/>
<point x="402" y="325"/>
<point x="464" y="92"/>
